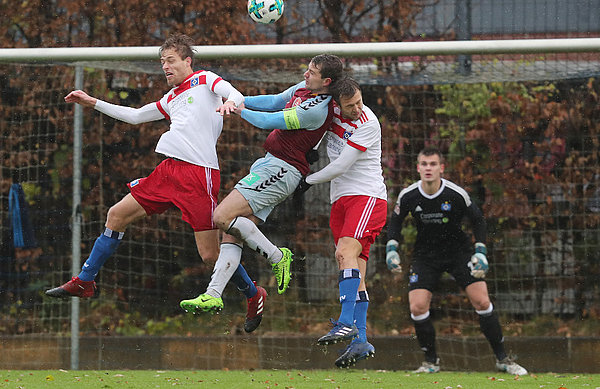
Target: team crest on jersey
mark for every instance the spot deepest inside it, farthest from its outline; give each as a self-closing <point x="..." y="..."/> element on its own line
<point x="413" y="278"/>
<point x="134" y="182"/>
<point x="297" y="102"/>
<point x="418" y="209"/>
<point x="446" y="206"/>
<point x="194" y="82"/>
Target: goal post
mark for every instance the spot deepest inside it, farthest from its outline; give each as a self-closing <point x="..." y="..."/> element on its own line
<point x="520" y="132"/>
<point x="371" y="49"/>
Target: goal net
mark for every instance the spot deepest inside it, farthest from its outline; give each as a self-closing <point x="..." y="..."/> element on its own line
<point x="520" y="133"/>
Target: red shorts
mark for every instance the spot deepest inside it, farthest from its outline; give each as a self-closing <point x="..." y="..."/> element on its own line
<point x="358" y="217"/>
<point x="191" y="188"/>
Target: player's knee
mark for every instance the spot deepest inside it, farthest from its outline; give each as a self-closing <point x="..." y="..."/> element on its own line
<point x="115" y="220"/>
<point x="481" y="305"/>
<point x="418" y="308"/>
<point x="342" y="259"/>
<point x="221" y="219"/>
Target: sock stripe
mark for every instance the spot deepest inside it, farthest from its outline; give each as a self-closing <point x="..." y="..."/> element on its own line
<point x="348" y="273"/>
<point x="362" y="296"/>
<point x="113" y="234"/>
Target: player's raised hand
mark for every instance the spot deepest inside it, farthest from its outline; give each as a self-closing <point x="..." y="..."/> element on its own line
<point x="478" y="264"/>
<point x="80" y="97"/>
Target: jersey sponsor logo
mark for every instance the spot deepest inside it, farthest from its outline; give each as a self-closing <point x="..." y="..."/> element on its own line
<point x="134" y="182"/>
<point x="446" y="206"/>
<point x="250" y="179"/>
<point x="190" y="100"/>
<point x="308" y="104"/>
<point x="433" y="218"/>
<point x="413" y="278"/>
<point x="342" y="298"/>
<point x="272" y="180"/>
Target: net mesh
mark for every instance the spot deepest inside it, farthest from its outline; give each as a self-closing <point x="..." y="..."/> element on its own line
<point x="520" y="134"/>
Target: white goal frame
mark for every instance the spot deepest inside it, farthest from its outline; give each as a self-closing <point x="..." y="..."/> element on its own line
<point x="372" y="49"/>
<point x="375" y="49"/>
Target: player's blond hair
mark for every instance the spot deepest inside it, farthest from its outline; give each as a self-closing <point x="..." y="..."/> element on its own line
<point x="181" y="44"/>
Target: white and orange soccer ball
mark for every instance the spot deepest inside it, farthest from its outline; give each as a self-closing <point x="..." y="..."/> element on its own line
<point x="265" y="11"/>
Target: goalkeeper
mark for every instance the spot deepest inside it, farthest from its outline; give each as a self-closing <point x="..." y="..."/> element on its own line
<point x="438" y="207"/>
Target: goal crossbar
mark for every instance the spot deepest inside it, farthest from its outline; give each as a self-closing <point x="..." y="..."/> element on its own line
<point x="371" y="49"/>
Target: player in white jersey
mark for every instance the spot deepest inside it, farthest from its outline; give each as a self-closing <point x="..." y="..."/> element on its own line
<point x="358" y="211"/>
<point x="188" y="179"/>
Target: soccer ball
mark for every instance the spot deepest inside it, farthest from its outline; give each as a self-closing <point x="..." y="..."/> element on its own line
<point x="265" y="11"/>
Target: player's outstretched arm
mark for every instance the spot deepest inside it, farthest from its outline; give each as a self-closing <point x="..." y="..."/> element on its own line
<point x="347" y="157"/>
<point x="272" y="103"/>
<point x="147" y="113"/>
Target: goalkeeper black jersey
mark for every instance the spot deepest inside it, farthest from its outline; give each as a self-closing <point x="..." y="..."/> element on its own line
<point x="438" y="218"/>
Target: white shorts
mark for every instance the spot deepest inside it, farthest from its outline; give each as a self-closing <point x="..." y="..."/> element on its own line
<point x="271" y="180"/>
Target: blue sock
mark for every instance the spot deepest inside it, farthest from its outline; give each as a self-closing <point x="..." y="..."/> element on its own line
<point x="104" y="247"/>
<point x="349" y="280"/>
<point x="244" y="283"/>
<point x="360" y="315"/>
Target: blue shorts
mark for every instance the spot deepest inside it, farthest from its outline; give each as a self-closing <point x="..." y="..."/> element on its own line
<point x="271" y="180"/>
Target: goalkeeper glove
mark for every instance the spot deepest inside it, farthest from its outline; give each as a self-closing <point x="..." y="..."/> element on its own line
<point x="302" y="187"/>
<point x="478" y="263"/>
<point x="392" y="258"/>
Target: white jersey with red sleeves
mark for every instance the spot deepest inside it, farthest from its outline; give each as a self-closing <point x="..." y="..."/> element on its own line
<point x="195" y="124"/>
<point x="365" y="176"/>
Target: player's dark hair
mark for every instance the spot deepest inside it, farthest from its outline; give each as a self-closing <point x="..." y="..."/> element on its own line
<point x="329" y="65"/>
<point x="345" y="87"/>
<point x="182" y="44"/>
<point x="429" y="151"/>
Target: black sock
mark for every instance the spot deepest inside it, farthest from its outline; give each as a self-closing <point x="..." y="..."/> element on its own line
<point x="490" y="326"/>
<point x="426" y="337"/>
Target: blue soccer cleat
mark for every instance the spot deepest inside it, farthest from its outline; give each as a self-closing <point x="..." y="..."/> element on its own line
<point x="338" y="333"/>
<point x="356" y="351"/>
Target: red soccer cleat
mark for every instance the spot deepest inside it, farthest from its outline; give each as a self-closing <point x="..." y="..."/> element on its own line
<point x="256" y="305"/>
<point x="76" y="288"/>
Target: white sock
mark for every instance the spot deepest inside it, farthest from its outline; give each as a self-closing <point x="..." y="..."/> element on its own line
<point x="227" y="263"/>
<point x="246" y="230"/>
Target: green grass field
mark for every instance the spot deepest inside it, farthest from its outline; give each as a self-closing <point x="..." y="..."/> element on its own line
<point x="280" y="379"/>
